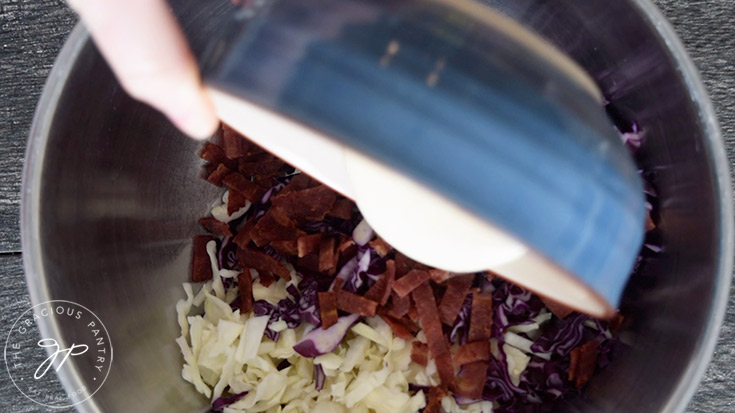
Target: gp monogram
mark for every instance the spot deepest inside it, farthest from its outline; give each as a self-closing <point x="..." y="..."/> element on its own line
<point x="77" y="344"/>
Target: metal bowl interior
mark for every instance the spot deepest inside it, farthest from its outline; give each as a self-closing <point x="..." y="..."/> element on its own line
<point x="112" y="192"/>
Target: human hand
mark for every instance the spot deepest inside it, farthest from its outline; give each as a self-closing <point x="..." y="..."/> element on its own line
<point x="144" y="46"/>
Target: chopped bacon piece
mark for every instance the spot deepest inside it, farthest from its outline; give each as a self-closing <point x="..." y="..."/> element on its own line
<point x="410" y="325"/>
<point x="471" y="380"/>
<point x="216" y="155"/>
<point x="403" y="264"/>
<point x="250" y="190"/>
<point x="268" y="229"/>
<point x="243" y="236"/>
<point x="616" y="322"/>
<point x="337" y="284"/>
<point x="420" y="353"/>
<point x="439" y="276"/>
<point x="380" y="246"/>
<point x="311" y="204"/>
<point x="286" y="247"/>
<point x="356" y="304"/>
<point x="434" y="400"/>
<point x="252" y="148"/>
<point x="266" y="278"/>
<point x="481" y="316"/>
<point x="218" y="174"/>
<point x="261" y="261"/>
<point x="399" y="328"/>
<point x="263" y="169"/>
<point x="298" y="182"/>
<point x="328" y="309"/>
<point x="235" y="201"/>
<point x="309" y="262"/>
<point x="209" y="168"/>
<point x="327" y="256"/>
<point x="260" y="165"/>
<point x="445" y="368"/>
<point x="378" y="290"/>
<point x="342" y="209"/>
<point x="233" y="143"/>
<point x="423" y="297"/>
<point x="556" y="308"/>
<point x="347" y="249"/>
<point x="201" y="267"/>
<point x="454" y="296"/>
<point x="307" y="244"/>
<point x="399" y="305"/>
<point x="381" y="290"/>
<point x="404" y="285"/>
<point x="265" y="183"/>
<point x="245" y="285"/>
<point x="472" y="352"/>
<point x="438" y="291"/>
<point x="582" y="362"/>
<point x="212" y="225"/>
<point x="413" y="314"/>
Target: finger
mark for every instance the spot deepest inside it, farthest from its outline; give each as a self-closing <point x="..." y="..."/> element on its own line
<point x="146" y="50"/>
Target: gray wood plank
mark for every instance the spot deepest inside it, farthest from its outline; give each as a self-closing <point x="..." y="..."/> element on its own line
<point x="706" y="29"/>
<point x="14" y="301"/>
<point x="31" y="34"/>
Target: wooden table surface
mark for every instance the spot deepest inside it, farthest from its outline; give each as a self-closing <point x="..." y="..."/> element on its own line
<point x="33" y="31"/>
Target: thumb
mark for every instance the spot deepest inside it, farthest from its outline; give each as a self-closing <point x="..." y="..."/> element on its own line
<point x="146" y="50"/>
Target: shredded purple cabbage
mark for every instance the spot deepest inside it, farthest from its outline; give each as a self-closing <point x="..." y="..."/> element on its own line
<point x="377" y="264"/>
<point x="288" y="311"/>
<point x="319" y="377"/>
<point x="302" y="306"/>
<point x="330" y="225"/>
<point x="541" y="385"/>
<point x="258" y="209"/>
<point x="227" y="255"/>
<point x="346" y="271"/>
<point x="633" y="139"/>
<point x="485" y="285"/>
<point x="263" y="308"/>
<point x="356" y="279"/>
<point x="309" y="302"/>
<point x="283" y="365"/>
<point x="319" y="341"/>
<point x="561" y="336"/>
<point x="544" y="383"/>
<point x="498" y="386"/>
<point x="272" y="252"/>
<point x="461" y="327"/>
<point x="513" y="305"/>
<point x="221" y="402"/>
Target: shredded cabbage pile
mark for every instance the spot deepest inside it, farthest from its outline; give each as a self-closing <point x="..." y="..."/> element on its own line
<point x="226" y="352"/>
<point x="246" y="362"/>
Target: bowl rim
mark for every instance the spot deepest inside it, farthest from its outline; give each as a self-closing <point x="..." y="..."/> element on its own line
<point x="70" y="377"/>
<point x="682" y="394"/>
<point x="688" y="383"/>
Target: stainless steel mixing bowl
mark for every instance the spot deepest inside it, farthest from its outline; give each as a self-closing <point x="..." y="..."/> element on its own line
<point x="112" y="192"/>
